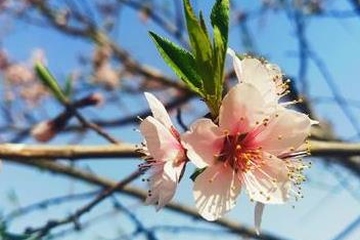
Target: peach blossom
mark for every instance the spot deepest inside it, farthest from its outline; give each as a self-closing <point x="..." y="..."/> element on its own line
<point x="249" y="148"/>
<point x="166" y="156"/>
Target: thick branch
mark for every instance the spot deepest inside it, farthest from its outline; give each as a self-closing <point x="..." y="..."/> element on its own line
<point x="23" y="152"/>
<point x="334" y="149"/>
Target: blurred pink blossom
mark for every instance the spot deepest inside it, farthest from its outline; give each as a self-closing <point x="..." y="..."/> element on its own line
<point x="101" y="55"/>
<point x="19" y="74"/>
<point x="21" y="80"/>
<point x="107" y="76"/>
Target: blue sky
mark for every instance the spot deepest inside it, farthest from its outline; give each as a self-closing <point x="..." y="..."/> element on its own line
<point x="328" y="206"/>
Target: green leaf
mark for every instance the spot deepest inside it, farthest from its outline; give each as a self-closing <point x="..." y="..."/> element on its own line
<point x="199" y="39"/>
<point x="202" y="23"/>
<point x="196" y="173"/>
<point x="201" y="46"/>
<point x="219" y="60"/>
<point x="180" y="60"/>
<point x="220" y="22"/>
<point x="220" y="18"/>
<point x="49" y="81"/>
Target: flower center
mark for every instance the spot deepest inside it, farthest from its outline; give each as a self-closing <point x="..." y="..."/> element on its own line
<point x="238" y="155"/>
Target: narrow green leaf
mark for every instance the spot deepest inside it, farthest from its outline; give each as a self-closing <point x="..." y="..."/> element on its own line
<point x="180" y="60"/>
<point x="219" y="60"/>
<point x="201" y="47"/>
<point x="199" y="40"/>
<point x="220" y="18"/>
<point x="202" y="23"/>
<point x="49" y="81"/>
<point x="220" y="22"/>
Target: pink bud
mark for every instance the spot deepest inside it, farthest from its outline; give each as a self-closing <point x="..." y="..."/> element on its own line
<point x="44" y="131"/>
<point x="96" y="99"/>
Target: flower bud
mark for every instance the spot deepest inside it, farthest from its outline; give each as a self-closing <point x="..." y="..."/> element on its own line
<point x="94" y="99"/>
<point x="44" y="131"/>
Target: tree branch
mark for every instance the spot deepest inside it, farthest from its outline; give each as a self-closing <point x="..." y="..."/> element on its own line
<point x="72" y="152"/>
<point x="25" y="152"/>
<point x="334" y="149"/>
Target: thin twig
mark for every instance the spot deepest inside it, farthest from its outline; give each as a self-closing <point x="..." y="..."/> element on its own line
<point x="140" y="194"/>
<point x="75" y="217"/>
<point x="91" y="125"/>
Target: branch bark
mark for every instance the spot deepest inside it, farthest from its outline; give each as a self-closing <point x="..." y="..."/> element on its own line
<point x="26" y="152"/>
<point x="23" y="152"/>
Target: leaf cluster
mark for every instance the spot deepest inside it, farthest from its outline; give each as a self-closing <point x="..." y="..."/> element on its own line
<point x="202" y="67"/>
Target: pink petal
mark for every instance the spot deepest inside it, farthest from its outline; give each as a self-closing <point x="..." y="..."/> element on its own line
<point x="158" y="110"/>
<point x="236" y="63"/>
<point x="253" y="71"/>
<point x="162" y="188"/>
<point x="241" y="109"/>
<point x="267" y="78"/>
<point x="269" y="183"/>
<point x="162" y="145"/>
<point x="259" y="209"/>
<point x="174" y="170"/>
<point x="256" y="73"/>
<point x="215" y="191"/>
<point x="286" y="130"/>
<point x="203" y="141"/>
<point x="274" y="71"/>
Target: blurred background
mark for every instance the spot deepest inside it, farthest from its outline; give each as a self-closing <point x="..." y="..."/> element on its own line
<point x="102" y="48"/>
